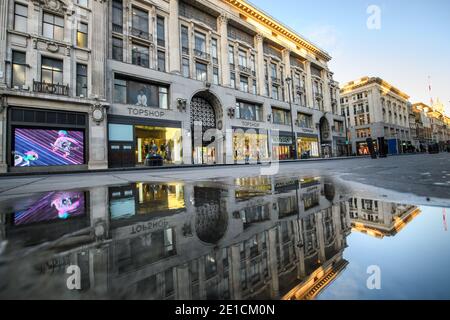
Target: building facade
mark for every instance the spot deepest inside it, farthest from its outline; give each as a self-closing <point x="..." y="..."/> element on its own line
<point x="52" y="65"/>
<point x="375" y="109"/>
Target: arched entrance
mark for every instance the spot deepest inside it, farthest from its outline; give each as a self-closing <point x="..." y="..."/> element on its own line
<point x="325" y="138"/>
<point x="203" y="118"/>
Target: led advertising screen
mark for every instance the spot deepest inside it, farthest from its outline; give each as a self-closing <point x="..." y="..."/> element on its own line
<point x="47" y="147"/>
<point x="52" y="206"/>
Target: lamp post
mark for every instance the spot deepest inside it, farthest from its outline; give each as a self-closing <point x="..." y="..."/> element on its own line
<point x="294" y="142"/>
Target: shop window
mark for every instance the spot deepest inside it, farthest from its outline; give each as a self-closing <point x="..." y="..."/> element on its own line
<point x="248" y="111"/>
<point x="82" y="35"/>
<point x="53" y="26"/>
<point x="20" y="17"/>
<point x="281" y="116"/>
<point x="82" y="87"/>
<point x="249" y="145"/>
<point x="141" y="93"/>
<point x="164" y="142"/>
<point x="18" y="69"/>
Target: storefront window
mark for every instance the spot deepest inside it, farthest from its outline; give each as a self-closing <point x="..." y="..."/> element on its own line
<point x="307" y="147"/>
<point x="249" y="111"/>
<point x="160" y="141"/>
<point x="281" y="116"/>
<point x="249" y="146"/>
<point x="141" y="93"/>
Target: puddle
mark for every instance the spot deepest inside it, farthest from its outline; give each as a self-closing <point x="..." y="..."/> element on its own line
<point x="260" y="237"/>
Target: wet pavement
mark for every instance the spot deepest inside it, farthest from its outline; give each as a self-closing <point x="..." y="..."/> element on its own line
<point x="293" y="235"/>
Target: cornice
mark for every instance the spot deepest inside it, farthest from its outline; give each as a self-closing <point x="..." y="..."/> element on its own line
<point x="250" y="11"/>
<point x="374" y="80"/>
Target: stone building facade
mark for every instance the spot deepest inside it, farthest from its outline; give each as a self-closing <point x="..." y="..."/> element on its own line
<point x="375" y="109"/>
<point x="87" y="84"/>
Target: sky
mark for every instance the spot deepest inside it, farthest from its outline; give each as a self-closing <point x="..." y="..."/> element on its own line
<point x="410" y="47"/>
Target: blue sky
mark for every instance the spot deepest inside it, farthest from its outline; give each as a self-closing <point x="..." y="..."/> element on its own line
<point x="412" y="44"/>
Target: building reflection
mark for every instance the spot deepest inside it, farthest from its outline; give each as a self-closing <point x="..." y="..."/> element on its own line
<point x="246" y="238"/>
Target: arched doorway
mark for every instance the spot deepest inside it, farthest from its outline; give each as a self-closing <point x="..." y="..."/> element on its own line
<point x="203" y="118"/>
<point x="325" y="138"/>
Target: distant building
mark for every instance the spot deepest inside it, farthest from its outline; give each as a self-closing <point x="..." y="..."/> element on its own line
<point x="375" y="109"/>
<point x="421" y="132"/>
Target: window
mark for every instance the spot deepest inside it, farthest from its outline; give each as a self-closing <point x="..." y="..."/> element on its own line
<point x="117" y="49"/>
<point x="281" y="116"/>
<point x="160" y="31"/>
<point x="81" y="80"/>
<point x="140" y="56"/>
<point x="214" y="51"/>
<point x="253" y="64"/>
<point x="305" y="120"/>
<point x="52" y="71"/>
<point x="161" y="61"/>
<point x="120" y="91"/>
<point x="82" y="35"/>
<point x="200" y="71"/>
<point x="20" y="17"/>
<point x="83" y="3"/>
<point x="163" y="95"/>
<point x="233" y="80"/>
<point x="248" y="111"/>
<point x="216" y="75"/>
<point x="117" y="16"/>
<point x="242" y="58"/>
<point x="275" y="92"/>
<point x="140" y="24"/>
<point x="200" y="42"/>
<point x="244" y="84"/>
<point x="185" y="62"/>
<point x="18" y="69"/>
<point x="53" y="26"/>
<point x="231" y="54"/>
<point x="273" y="70"/>
<point x="184" y="40"/>
<point x="254" y="90"/>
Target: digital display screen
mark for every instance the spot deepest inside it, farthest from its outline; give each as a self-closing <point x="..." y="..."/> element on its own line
<point x="47" y="147"/>
<point x="52" y="206"/>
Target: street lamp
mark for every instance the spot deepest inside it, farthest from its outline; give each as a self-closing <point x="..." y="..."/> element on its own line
<point x="294" y="142"/>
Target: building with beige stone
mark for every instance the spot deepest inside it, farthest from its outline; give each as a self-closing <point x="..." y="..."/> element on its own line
<point x="375" y="109"/>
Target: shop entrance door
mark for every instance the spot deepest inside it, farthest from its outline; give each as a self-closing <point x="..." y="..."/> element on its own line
<point x="120" y="154"/>
<point x="202" y="112"/>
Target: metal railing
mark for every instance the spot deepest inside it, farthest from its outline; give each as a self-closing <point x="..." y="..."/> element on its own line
<point x="141" y="34"/>
<point x="202" y="55"/>
<point x="51" y="88"/>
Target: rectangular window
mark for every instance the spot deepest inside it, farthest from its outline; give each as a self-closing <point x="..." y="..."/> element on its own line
<point x="140" y="56"/>
<point x="201" y="71"/>
<point x="141" y="93"/>
<point x="216" y="75"/>
<point x="140" y="24"/>
<point x="275" y="92"/>
<point x="243" y="58"/>
<point x="231" y="55"/>
<point x="20" y="17"/>
<point x="161" y="61"/>
<point x="83" y="3"/>
<point x="160" y="31"/>
<point x="254" y="90"/>
<point x="82" y="35"/>
<point x="214" y="52"/>
<point x="53" y="26"/>
<point x="163" y="98"/>
<point x="117" y="49"/>
<point x="52" y="71"/>
<point x="186" y="71"/>
<point x="233" y="80"/>
<point x="248" y="111"/>
<point x="281" y="116"/>
<point x="81" y="80"/>
<point x="253" y="64"/>
<point x="305" y="120"/>
<point x="244" y="84"/>
<point x="200" y="42"/>
<point x="184" y="40"/>
<point x="18" y="69"/>
<point x="273" y="70"/>
<point x="117" y="16"/>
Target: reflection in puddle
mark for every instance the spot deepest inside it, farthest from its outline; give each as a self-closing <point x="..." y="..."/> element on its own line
<point x="246" y="238"/>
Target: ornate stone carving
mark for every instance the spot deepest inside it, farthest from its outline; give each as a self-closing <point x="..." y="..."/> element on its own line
<point x="57" y="6"/>
<point x="223" y="18"/>
<point x="98" y="112"/>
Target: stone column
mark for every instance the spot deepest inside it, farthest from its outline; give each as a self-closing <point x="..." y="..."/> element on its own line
<point x="183" y="287"/>
<point x="326" y="93"/>
<point x="235" y="273"/>
<point x="320" y="236"/>
<point x="3" y="40"/>
<point x="99" y="51"/>
<point x="174" y="38"/>
<point x="287" y="68"/>
<point x="273" y="264"/>
<point x="308" y="85"/>
<point x="223" y="28"/>
<point x="259" y="40"/>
